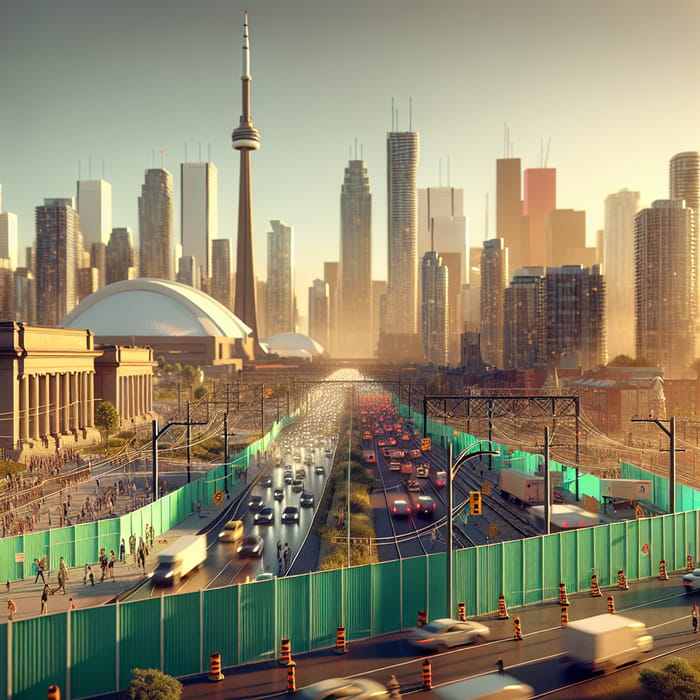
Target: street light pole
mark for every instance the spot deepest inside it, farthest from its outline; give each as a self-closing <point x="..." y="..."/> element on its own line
<point x="453" y="466"/>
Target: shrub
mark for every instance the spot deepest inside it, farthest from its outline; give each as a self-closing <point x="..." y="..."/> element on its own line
<point x="152" y="684"/>
<point x="677" y="680"/>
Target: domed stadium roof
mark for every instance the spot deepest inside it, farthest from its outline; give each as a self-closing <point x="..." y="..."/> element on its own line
<point x="154" y="307"/>
<point x="293" y="345"/>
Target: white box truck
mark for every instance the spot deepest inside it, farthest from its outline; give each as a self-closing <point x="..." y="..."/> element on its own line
<point x="521" y="487"/>
<point x="179" y="558"/>
<point x="605" y="641"/>
<point x="626" y="489"/>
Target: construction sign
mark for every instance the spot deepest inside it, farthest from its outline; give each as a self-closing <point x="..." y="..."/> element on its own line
<point x="426" y="444"/>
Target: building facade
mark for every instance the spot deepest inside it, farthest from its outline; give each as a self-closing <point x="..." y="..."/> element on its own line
<point x="435" y="309"/>
<point x="155" y="225"/>
<point x="119" y="256"/>
<point x="494" y="271"/>
<point x="199" y="215"/>
<point x="221" y="288"/>
<point x="539" y="201"/>
<point x="57" y="253"/>
<point x="524" y="315"/>
<point x="355" y="264"/>
<point x="509" y="210"/>
<point x="280" y="279"/>
<point x="618" y="254"/>
<point x="665" y="289"/>
<point x="318" y="312"/>
<point x="402" y="227"/>
<point x="95" y="211"/>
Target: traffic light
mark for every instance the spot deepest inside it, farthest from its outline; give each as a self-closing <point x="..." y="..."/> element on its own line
<point x="475" y="502"/>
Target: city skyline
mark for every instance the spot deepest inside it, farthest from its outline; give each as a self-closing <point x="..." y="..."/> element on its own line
<point x="175" y="82"/>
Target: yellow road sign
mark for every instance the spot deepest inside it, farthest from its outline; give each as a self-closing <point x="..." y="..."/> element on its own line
<point x="426" y="444"/>
<point x="493" y="532"/>
<point x="485" y="488"/>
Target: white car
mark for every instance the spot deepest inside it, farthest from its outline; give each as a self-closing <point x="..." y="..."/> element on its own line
<point x="341" y="688"/>
<point x="691" y="581"/>
<point x="445" y="633"/>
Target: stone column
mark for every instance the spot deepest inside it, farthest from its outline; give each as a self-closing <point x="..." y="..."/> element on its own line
<point x="44" y="404"/>
<point x="65" y="402"/>
<point x="35" y="404"/>
<point x="54" y="403"/>
<point x="24" y="407"/>
<point x="91" y="400"/>
<point x="75" y="402"/>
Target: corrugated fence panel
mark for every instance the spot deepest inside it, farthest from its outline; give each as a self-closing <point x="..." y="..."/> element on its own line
<point x="465" y="589"/>
<point x="3" y="655"/>
<point x="11" y="568"/>
<point x="61" y="542"/>
<point x="108" y="534"/>
<point x="257" y="640"/>
<point x="490" y="582"/>
<point x="327" y="589"/>
<point x="437" y="588"/>
<point x="552" y="566"/>
<point x="181" y="632"/>
<point x="386" y="609"/>
<point x="618" y="549"/>
<point x="569" y="558"/>
<point x="533" y="563"/>
<point x="93" y="651"/>
<point x="294" y="607"/>
<point x="603" y="559"/>
<point x="359" y="618"/>
<point x="36" y="546"/>
<point x="649" y="560"/>
<point x="139" y="637"/>
<point x="414" y="589"/>
<point x="681" y="541"/>
<point x="585" y="547"/>
<point x="513" y="571"/>
<point x="86" y="549"/>
<point x="221" y="625"/>
<point x="633" y="545"/>
<point x="38" y="655"/>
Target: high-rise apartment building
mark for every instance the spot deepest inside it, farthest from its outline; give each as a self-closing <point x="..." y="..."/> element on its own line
<point x="524" y="316"/>
<point x="155" y="225"/>
<point x="618" y="254"/>
<point x="199" y="215"/>
<point x="575" y="316"/>
<point x="443" y="227"/>
<point x="57" y="253"/>
<point x="539" y="200"/>
<point x="9" y="237"/>
<point x="434" y="309"/>
<point x="98" y="260"/>
<point x="665" y="289"/>
<point x="119" y="257"/>
<point x="95" y="211"/>
<point x="24" y="296"/>
<point x="402" y="254"/>
<point x="355" y="264"/>
<point x="684" y="179"/>
<point x="318" y="312"/>
<point x="509" y="211"/>
<point x="494" y="268"/>
<point x="280" y="279"/>
<point x="188" y="272"/>
<point x="221" y="288"/>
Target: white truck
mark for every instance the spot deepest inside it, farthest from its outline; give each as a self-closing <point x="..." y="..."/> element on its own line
<point x="521" y="487"/>
<point x="626" y="489"/>
<point x="179" y="558"/>
<point x="605" y="641"/>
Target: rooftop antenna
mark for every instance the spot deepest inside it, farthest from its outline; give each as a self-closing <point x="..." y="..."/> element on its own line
<point x="546" y="153"/>
<point x="397" y="119"/>
<point x="410" y="114"/>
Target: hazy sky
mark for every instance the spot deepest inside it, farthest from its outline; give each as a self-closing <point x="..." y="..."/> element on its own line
<point x="611" y="82"/>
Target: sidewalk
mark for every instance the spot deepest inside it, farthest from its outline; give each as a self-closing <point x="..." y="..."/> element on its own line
<point x="27" y="595"/>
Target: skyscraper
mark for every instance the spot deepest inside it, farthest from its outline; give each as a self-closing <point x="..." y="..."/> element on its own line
<point x="566" y="239"/>
<point x="9" y="238"/>
<point x="494" y="267"/>
<point x="509" y="212"/>
<point x="524" y="315"/>
<point x="330" y="276"/>
<point x="155" y="225"/>
<point x="245" y="139"/>
<point x="575" y="316"/>
<point x="199" y="215"/>
<point x="665" y="289"/>
<point x="280" y="279"/>
<point x="402" y="256"/>
<point x="540" y="199"/>
<point x="684" y="179"/>
<point x="57" y="236"/>
<point x="221" y="271"/>
<point x="434" y="309"/>
<point x="318" y="312"/>
<point x="95" y="211"/>
<point x="618" y="247"/>
<point x="119" y="258"/>
<point x="355" y="266"/>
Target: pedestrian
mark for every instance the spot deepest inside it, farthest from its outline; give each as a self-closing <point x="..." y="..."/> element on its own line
<point x="122" y="552"/>
<point x="142" y="558"/>
<point x="287" y="557"/>
<point x="695" y="613"/>
<point x="85" y="573"/>
<point x="11" y="609"/>
<point x="132" y="546"/>
<point x="91" y="576"/>
<point x="499" y="665"/>
<point x="39" y="568"/>
<point x="199" y="509"/>
<point x="110" y="564"/>
<point x="103" y="564"/>
<point x="279" y="551"/>
<point x="433" y="538"/>
<point x="61" y="582"/>
<point x="97" y="486"/>
<point x="151" y="533"/>
<point x="45" y="599"/>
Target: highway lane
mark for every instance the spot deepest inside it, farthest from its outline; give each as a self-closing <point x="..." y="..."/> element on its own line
<point x="536" y="660"/>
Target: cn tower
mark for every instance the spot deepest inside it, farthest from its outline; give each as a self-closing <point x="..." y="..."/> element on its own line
<point x="245" y="138"/>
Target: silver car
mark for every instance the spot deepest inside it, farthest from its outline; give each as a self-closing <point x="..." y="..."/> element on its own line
<point x="444" y="633"/>
<point x="341" y="688"/>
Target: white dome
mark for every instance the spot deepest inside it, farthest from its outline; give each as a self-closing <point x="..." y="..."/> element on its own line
<point x="293" y="345"/>
<point x="154" y="307"/>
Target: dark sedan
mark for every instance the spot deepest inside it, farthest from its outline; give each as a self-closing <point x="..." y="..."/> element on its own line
<point x="265" y="516"/>
<point x="290" y="515"/>
<point x="251" y="546"/>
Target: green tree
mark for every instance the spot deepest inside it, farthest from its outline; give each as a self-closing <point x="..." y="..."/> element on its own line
<point x="152" y="684"/>
<point x="106" y="418"/>
<point x="627" y="361"/>
<point x="200" y="392"/>
<point x="677" y="680"/>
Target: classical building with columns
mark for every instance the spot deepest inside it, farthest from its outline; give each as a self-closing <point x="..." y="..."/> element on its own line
<point x="48" y="379"/>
